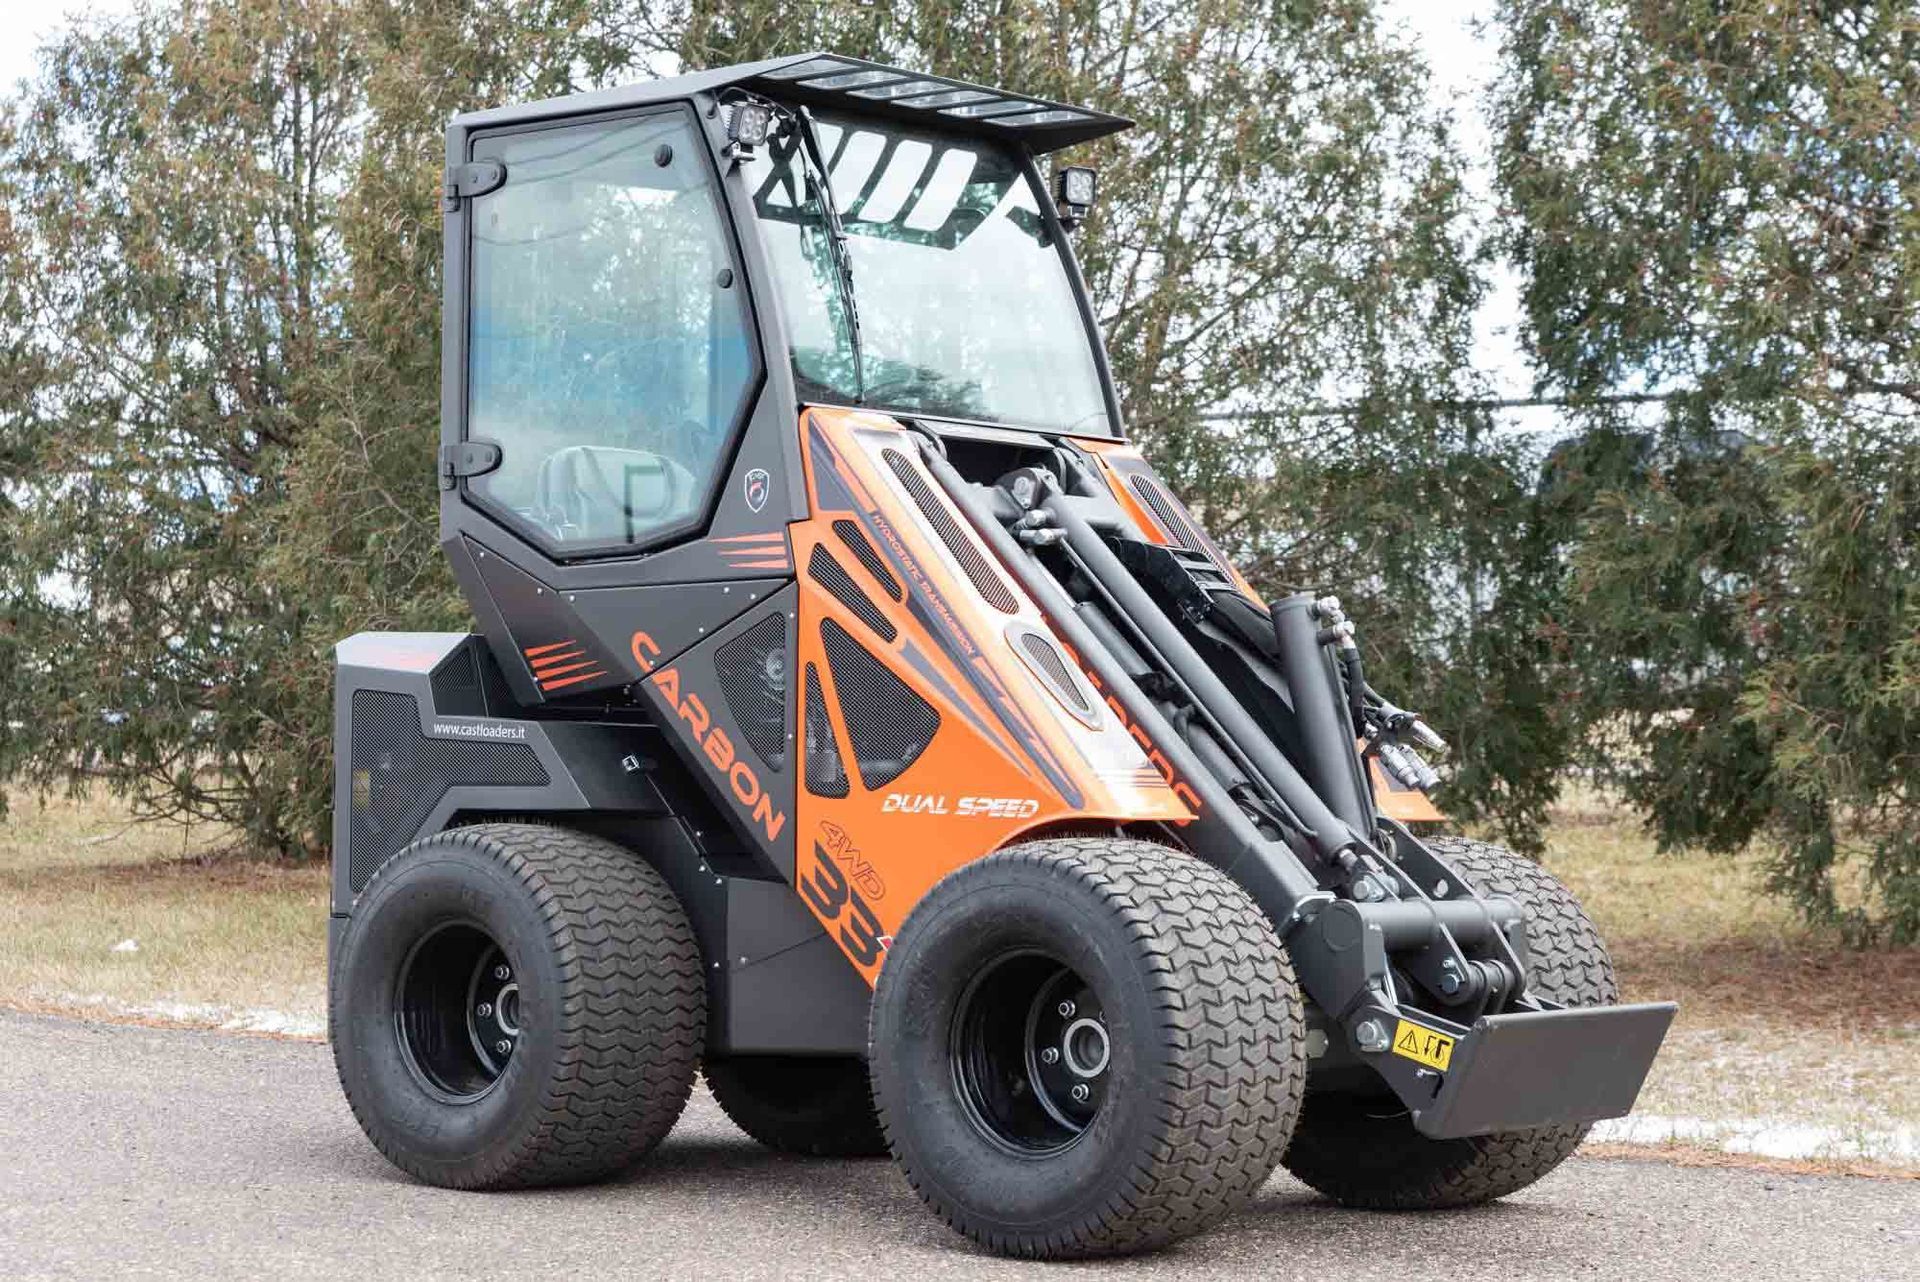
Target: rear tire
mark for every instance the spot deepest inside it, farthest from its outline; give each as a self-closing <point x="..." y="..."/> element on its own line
<point x="810" y="1105"/>
<point x="1365" y="1152"/>
<point x="1086" y="1046"/>
<point x="516" y="1005"/>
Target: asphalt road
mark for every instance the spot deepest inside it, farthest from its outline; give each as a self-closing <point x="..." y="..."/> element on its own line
<point x="140" y="1152"/>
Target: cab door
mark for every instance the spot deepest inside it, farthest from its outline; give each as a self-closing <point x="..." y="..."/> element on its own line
<point x="605" y="504"/>
<point x="608" y="346"/>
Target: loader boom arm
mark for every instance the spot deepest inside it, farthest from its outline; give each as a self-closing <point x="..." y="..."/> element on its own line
<point x="1419" y="978"/>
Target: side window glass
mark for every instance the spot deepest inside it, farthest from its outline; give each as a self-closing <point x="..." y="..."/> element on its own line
<point x="607" y="344"/>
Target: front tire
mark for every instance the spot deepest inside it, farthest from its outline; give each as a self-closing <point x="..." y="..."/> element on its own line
<point x="1363" y="1151"/>
<point x="516" y="1005"/>
<point x="1086" y="1046"/>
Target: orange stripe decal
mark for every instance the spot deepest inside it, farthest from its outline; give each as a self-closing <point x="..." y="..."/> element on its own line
<point x="547" y="674"/>
<point x="571" y="681"/>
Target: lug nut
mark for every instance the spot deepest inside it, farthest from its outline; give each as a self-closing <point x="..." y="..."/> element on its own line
<point x="501" y="972"/>
<point x="1050" y="1055"/>
<point x="1080" y="1091"/>
<point x="1371" y="1036"/>
<point x="503" y="1046"/>
<point x="484" y="1009"/>
<point x="1066" y="1010"/>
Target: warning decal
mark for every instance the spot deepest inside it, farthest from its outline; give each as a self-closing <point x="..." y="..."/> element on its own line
<point x="1423" y="1045"/>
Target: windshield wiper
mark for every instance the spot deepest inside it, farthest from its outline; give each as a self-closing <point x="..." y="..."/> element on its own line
<point x="816" y="165"/>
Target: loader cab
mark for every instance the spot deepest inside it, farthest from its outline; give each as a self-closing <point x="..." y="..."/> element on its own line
<point x="638" y="308"/>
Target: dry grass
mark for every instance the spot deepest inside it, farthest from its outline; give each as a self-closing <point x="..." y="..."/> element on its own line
<point x="1775" y="1021"/>
<point x="217" y="935"/>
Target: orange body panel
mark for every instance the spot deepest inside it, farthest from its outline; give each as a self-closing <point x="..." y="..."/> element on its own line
<point x="1009" y="757"/>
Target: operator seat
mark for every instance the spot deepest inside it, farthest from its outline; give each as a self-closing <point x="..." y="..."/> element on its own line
<point x="603" y="494"/>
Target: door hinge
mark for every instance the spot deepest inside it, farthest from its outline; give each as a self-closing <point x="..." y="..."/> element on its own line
<point x="475" y="178"/>
<point x="468" y="458"/>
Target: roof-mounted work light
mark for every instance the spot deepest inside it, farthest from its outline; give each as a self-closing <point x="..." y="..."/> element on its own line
<point x="749" y="124"/>
<point x="1074" y="187"/>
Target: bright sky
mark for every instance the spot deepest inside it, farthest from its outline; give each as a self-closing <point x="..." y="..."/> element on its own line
<point x="24" y="25"/>
<point x="1461" y="61"/>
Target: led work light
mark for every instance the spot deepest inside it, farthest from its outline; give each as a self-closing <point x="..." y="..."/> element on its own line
<point x="752" y="123"/>
<point x="1074" y="187"/>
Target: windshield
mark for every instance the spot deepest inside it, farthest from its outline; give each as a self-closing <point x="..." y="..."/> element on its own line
<point x="965" y="307"/>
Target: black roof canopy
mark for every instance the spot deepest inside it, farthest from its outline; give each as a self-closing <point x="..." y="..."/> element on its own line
<point x="850" y="84"/>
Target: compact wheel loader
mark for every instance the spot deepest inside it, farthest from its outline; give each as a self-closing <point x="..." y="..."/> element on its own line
<point x="856" y="719"/>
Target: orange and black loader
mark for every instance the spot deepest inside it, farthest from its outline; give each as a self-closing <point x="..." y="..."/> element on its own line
<point x="857" y="720"/>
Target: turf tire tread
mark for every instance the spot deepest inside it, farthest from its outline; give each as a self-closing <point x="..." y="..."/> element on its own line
<point x="632" y="1015"/>
<point x="1231" y="1025"/>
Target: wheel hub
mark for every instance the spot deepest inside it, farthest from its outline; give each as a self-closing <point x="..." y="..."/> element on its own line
<point x="458" y="1014"/>
<point x="493" y="1014"/>
<point x="1067" y="1050"/>
<point x="1031" y="1053"/>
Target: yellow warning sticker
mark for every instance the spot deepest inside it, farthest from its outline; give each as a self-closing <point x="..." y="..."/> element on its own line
<point x="1423" y="1045"/>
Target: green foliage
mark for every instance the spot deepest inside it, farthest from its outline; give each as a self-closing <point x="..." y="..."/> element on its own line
<point x="1716" y="200"/>
<point x="220" y="368"/>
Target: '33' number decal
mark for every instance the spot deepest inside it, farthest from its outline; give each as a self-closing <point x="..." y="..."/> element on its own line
<point x="827" y="889"/>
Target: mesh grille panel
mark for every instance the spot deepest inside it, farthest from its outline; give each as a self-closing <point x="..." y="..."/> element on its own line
<point x="826" y="773"/>
<point x="1160" y="504"/>
<point x="456" y="686"/>
<point x="985" y="581"/>
<point x="1178" y="524"/>
<point x="752" y="671"/>
<point x="400" y="775"/>
<point x="831" y="575"/>
<point x="1047" y="658"/>
<point x="889" y="724"/>
<point x="864" y="552"/>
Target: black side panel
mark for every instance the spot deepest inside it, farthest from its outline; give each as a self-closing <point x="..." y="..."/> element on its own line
<point x="400" y="775"/>
<point x="405" y="766"/>
<point x="889" y="724"/>
<point x="650" y="626"/>
<point x="789" y="989"/>
<point x="556" y="645"/>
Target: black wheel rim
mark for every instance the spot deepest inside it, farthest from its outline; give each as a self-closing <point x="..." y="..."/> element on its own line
<point x="1030" y="1052"/>
<point x="458" y="1011"/>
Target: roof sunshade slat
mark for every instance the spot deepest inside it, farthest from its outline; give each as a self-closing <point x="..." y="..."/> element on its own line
<point x="831" y="80"/>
